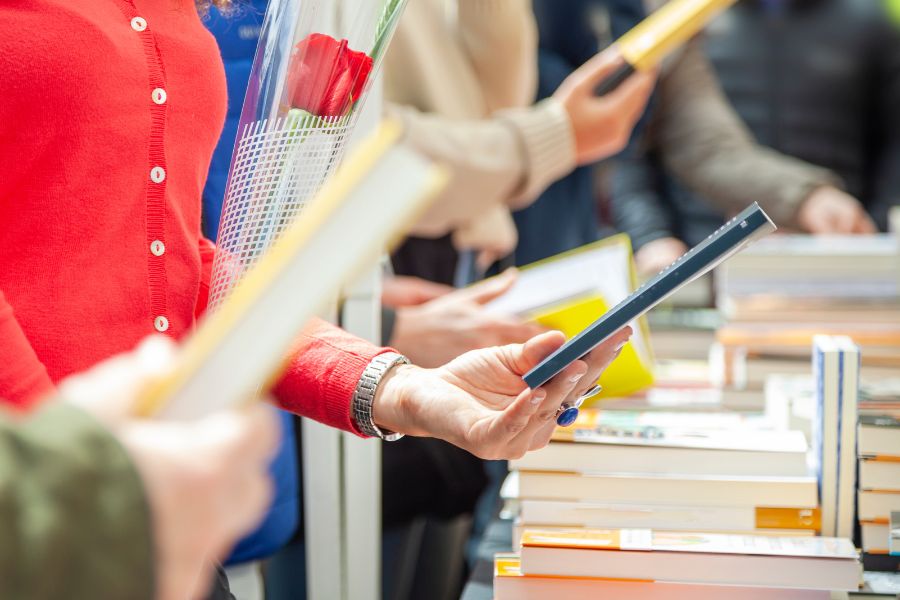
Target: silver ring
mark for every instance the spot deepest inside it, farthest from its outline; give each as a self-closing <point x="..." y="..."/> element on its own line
<point x="593" y="391"/>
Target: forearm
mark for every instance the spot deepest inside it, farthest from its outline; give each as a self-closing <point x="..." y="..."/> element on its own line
<point x="500" y="38"/>
<point x="325" y="366"/>
<point x="508" y="159"/>
<point x="73" y="512"/>
<point x="705" y="144"/>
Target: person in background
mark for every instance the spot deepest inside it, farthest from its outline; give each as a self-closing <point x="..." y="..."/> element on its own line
<point x="96" y="504"/>
<point x="461" y="76"/>
<point x="815" y="81"/>
<point x="566" y="215"/>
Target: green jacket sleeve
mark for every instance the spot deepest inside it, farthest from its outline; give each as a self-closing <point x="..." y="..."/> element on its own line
<point x="74" y="522"/>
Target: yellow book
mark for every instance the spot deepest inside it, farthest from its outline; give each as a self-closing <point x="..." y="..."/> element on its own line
<point x="571" y="290"/>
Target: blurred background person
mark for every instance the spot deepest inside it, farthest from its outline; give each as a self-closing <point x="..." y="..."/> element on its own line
<point x="97" y="504"/>
<point x="566" y="215"/>
<point x="815" y="81"/>
<point x="461" y="76"/>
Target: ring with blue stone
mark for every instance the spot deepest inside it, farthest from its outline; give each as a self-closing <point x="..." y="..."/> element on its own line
<point x="568" y="413"/>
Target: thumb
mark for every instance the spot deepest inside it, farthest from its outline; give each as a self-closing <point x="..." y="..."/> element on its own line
<point x="485" y="291"/>
<point x="592" y="73"/>
<point x="523" y="357"/>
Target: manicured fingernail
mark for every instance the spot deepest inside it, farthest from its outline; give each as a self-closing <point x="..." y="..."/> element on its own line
<point x="538" y="396"/>
<point x="576" y="378"/>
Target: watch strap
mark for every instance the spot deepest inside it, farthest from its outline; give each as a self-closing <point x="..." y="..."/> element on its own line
<point x="364" y="395"/>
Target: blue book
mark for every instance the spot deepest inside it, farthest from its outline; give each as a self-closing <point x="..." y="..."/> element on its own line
<point x="732" y="237"/>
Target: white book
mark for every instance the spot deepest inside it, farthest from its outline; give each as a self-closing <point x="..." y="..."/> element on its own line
<point x="511" y="584"/>
<point x="877" y="505"/>
<point x="675" y="451"/>
<point x="697" y="558"/>
<point x="876" y="537"/>
<point x="675" y="490"/>
<point x="881" y="473"/>
<point x="649" y="516"/>
<point x="849" y="363"/>
<point x="879" y="435"/>
<point x="826" y="367"/>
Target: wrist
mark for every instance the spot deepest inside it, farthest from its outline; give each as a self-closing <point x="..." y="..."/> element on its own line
<point x="391" y="408"/>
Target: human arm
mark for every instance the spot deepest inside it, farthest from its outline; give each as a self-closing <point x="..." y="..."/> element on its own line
<point x="483" y="388"/>
<point x="704" y="143"/>
<point x="72" y="506"/>
<point x="500" y="39"/>
<point x="23" y="378"/>
<point x="479" y="401"/>
<point x="513" y="156"/>
<point x="196" y="486"/>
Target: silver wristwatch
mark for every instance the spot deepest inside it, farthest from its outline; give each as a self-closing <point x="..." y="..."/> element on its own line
<point x="364" y="395"/>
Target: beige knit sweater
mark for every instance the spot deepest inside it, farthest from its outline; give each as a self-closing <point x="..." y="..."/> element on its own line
<point x="461" y="75"/>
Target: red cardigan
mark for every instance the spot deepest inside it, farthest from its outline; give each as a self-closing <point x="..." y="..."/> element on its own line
<point x="109" y="116"/>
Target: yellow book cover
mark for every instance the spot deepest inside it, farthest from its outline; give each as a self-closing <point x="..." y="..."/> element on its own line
<point x="569" y="291"/>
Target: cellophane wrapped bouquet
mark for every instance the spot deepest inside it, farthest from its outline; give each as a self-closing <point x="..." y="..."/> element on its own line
<point x="314" y="65"/>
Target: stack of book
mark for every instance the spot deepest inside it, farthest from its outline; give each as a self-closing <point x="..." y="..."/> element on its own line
<point x="879" y="482"/>
<point x="846" y="279"/>
<point x="717" y="472"/>
<point x="645" y="565"/>
<point x="850" y="286"/>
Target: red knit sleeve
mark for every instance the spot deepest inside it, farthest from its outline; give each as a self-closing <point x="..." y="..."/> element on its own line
<point x="207" y="255"/>
<point x="322" y="374"/>
<point x="325" y="365"/>
<point x="23" y="378"/>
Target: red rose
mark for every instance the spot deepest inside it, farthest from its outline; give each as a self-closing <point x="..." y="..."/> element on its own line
<point x="325" y="77"/>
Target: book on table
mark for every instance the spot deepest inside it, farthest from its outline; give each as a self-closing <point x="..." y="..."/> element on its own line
<point x="836" y="372"/>
<point x="673" y="489"/>
<point x="634" y="442"/>
<point x="510" y="583"/>
<point x="747" y="519"/>
<point x="696" y="558"/>
<point x="878" y="435"/>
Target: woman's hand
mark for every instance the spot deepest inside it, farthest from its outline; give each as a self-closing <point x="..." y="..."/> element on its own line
<point x="602" y="124"/>
<point x="479" y="401"/>
<point x="438" y="331"/>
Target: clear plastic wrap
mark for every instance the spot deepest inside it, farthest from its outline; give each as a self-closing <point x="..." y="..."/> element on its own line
<point x="313" y="69"/>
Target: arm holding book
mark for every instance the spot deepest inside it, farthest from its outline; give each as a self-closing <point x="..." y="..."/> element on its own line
<point x="478" y="402"/>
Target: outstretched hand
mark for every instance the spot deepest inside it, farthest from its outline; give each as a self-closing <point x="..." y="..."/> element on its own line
<point x="479" y="401"/>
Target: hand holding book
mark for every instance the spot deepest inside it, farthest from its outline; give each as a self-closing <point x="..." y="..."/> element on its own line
<point x="479" y="401"/>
